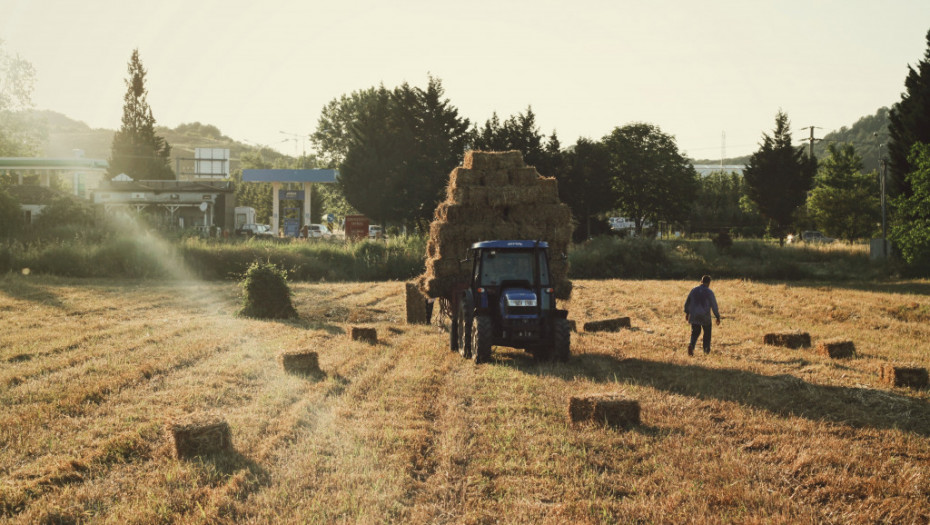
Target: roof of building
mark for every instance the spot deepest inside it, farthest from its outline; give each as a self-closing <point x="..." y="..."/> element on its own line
<point x="165" y="185"/>
<point x="289" y="175"/>
<point x="509" y="244"/>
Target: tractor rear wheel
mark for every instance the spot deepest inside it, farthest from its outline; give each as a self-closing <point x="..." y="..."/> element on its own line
<point x="561" y="340"/>
<point x="481" y="339"/>
<point x="454" y="330"/>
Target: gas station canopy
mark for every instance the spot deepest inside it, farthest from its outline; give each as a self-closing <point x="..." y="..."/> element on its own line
<point x="289" y="175"/>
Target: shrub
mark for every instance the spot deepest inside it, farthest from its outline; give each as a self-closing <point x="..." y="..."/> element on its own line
<point x="723" y="241"/>
<point x="265" y="292"/>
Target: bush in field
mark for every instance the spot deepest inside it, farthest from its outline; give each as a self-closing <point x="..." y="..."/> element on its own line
<point x="723" y="241"/>
<point x="265" y="292"/>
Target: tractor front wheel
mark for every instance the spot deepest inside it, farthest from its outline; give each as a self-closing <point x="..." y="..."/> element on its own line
<point x="463" y="331"/>
<point x="481" y="338"/>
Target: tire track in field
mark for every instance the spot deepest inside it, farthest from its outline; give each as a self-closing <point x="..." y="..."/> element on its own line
<point x="22" y="379"/>
<point x="441" y="492"/>
<point x="351" y="382"/>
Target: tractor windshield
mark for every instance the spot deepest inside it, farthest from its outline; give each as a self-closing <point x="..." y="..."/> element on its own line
<point x="498" y="266"/>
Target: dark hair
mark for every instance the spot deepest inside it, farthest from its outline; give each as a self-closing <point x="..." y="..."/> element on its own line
<point x="705" y="279"/>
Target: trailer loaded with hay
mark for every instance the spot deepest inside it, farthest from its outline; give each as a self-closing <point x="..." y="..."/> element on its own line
<point x="496" y="258"/>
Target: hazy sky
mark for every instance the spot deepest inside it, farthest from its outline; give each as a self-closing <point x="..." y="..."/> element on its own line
<point x="696" y="69"/>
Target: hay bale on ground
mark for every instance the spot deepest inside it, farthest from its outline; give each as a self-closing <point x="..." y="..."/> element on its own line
<point x="300" y="362"/>
<point x="369" y="335"/>
<point x="905" y="376"/>
<point x="603" y="409"/>
<point x="416" y="305"/>
<point x="837" y="349"/>
<point x="607" y="325"/>
<point x="788" y="339"/>
<point x="199" y="434"/>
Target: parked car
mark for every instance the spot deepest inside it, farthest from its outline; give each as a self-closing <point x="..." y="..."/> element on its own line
<point x="816" y="237"/>
<point x="375" y="232"/>
<point x="252" y="229"/>
<point x="318" y="231"/>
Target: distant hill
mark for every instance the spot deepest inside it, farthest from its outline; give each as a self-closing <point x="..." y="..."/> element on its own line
<point x="66" y="135"/>
<point x="866" y="135"/>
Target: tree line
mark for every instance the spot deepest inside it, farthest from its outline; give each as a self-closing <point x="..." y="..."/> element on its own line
<point x="394" y="149"/>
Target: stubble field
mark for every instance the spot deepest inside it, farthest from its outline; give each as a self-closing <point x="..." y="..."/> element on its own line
<point x="405" y="431"/>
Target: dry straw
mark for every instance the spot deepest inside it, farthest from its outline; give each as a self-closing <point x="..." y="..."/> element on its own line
<point x="837" y="349"/>
<point x="904" y="376"/>
<point x="369" y="335"/>
<point x="788" y="339"/>
<point x="603" y="409"/>
<point x="495" y="196"/>
<point x="199" y="434"/>
<point x="607" y="325"/>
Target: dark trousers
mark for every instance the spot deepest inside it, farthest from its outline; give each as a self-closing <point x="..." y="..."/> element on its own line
<point x="696" y="331"/>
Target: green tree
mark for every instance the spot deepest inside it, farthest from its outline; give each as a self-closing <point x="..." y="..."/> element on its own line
<point x="717" y="205"/>
<point x="844" y="202"/>
<point x="778" y="177"/>
<point x="910" y="232"/>
<point x="520" y="132"/>
<point x="371" y="175"/>
<point x="909" y="123"/>
<point x="399" y="152"/>
<point x="651" y="179"/>
<point x="64" y="210"/>
<point x="20" y="131"/>
<point x="136" y="150"/>
<point x="11" y="215"/>
<point x="333" y="129"/>
<point x="584" y="183"/>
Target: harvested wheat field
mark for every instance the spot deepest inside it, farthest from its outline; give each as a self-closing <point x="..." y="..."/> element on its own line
<point x="405" y="431"/>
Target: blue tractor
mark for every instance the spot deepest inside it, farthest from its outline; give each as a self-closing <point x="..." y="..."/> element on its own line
<point x="508" y="301"/>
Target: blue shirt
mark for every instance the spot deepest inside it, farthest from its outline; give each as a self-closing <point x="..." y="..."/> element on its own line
<point x="699" y="304"/>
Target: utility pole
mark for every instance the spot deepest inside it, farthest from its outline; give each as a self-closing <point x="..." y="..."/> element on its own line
<point x="881" y="163"/>
<point x="812" y="140"/>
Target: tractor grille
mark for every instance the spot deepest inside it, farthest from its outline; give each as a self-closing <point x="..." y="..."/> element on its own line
<point x="521" y="310"/>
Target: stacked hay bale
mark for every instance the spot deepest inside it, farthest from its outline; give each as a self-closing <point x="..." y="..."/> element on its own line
<point x="495" y="196"/>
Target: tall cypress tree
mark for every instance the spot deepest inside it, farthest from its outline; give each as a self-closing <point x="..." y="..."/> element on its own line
<point x="778" y="177"/>
<point x="137" y="151"/>
<point x="909" y="123"/>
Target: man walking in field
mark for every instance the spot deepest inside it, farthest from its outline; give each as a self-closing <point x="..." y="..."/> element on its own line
<point x="698" y="306"/>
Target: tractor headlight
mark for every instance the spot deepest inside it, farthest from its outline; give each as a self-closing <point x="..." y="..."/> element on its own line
<point x="521" y="302"/>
